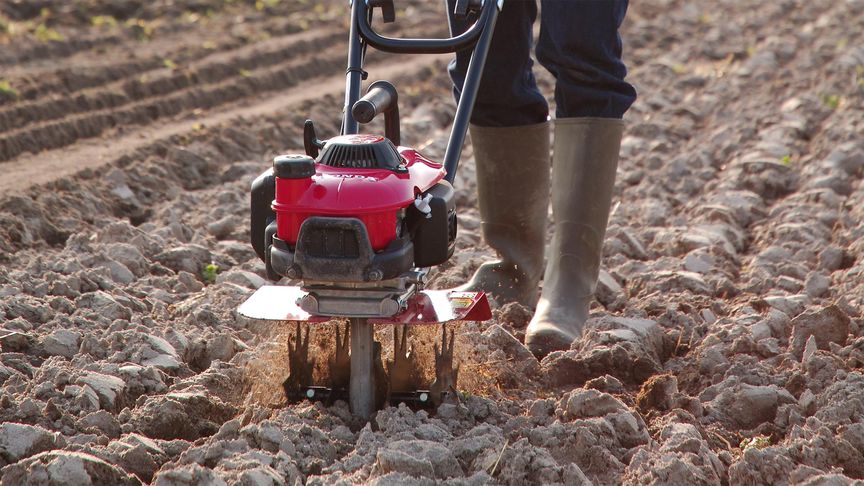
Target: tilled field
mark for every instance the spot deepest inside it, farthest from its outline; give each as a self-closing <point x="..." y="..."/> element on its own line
<point x="727" y="343"/>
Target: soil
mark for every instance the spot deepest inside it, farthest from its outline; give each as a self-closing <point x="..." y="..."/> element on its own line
<point x="726" y="344"/>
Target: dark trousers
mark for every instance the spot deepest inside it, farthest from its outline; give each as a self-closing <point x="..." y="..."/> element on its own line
<point x="579" y="44"/>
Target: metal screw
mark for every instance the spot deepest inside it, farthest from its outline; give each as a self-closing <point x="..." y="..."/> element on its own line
<point x="293" y="272"/>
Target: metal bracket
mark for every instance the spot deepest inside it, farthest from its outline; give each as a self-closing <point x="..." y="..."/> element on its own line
<point x="388" y="10"/>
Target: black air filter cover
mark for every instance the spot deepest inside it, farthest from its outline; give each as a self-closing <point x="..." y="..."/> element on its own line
<point x="361" y="152"/>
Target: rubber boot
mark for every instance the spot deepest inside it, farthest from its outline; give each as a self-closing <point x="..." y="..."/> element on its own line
<point x="513" y="193"/>
<point x="584" y="162"/>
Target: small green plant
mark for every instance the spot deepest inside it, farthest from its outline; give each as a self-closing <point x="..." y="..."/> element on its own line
<point x="245" y="73"/>
<point x="679" y="69"/>
<point x="6" y="90"/>
<point x="786" y="160"/>
<point x="141" y="29"/>
<point x="262" y="4"/>
<point x="831" y="101"/>
<point x="103" y="21"/>
<point x="209" y="273"/>
<point x="168" y="63"/>
<point x="758" y="442"/>
<point x="44" y="33"/>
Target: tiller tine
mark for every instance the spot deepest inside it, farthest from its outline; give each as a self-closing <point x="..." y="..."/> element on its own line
<point x="402" y="369"/>
<point x="340" y="362"/>
<point x="446" y="375"/>
<point x="299" y="365"/>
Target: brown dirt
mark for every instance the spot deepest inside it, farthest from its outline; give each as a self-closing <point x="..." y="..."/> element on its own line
<point x="727" y="343"/>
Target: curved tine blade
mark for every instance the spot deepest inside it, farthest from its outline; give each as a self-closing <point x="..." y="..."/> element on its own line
<point x="443" y="337"/>
<point x="445" y="373"/>
<point x="299" y="365"/>
<point x="342" y="338"/>
<point x="404" y="346"/>
<point x="293" y="339"/>
<point x="452" y="341"/>
<point x="340" y="362"/>
<point x="455" y="376"/>
<point x="305" y="349"/>
<point x="395" y="341"/>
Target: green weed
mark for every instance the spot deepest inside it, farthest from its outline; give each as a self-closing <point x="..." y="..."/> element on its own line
<point x="209" y="273"/>
<point x="831" y="101"/>
<point x="44" y="33"/>
<point x="141" y="29"/>
<point x="103" y="21"/>
<point x="262" y="4"/>
<point x="786" y="160"/>
<point x="6" y="90"/>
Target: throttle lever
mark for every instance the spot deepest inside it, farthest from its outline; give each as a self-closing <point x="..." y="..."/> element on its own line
<point x="388" y="10"/>
<point x="465" y="7"/>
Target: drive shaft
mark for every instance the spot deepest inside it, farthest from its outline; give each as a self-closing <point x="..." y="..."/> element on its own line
<point x="362" y="386"/>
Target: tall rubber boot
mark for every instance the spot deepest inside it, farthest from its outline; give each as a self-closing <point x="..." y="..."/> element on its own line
<point x="584" y="162"/>
<point x="513" y="193"/>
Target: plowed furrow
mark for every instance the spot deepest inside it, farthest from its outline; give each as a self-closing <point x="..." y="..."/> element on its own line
<point x="218" y="79"/>
<point x="162" y="81"/>
<point x="30" y="170"/>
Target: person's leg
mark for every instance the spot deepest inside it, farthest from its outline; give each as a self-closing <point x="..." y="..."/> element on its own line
<point x="510" y="136"/>
<point x="508" y="94"/>
<point x="579" y="44"/>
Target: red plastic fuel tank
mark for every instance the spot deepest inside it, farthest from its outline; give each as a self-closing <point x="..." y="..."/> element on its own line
<point x="373" y="195"/>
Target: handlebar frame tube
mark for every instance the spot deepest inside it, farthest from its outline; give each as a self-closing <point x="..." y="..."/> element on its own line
<point x="479" y="35"/>
<point x="470" y="88"/>
<point x="354" y="74"/>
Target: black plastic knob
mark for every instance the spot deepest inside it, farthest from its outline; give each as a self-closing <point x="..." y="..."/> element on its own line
<point x="293" y="166"/>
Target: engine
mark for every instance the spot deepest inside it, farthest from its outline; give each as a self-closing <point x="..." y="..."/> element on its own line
<point x="363" y="211"/>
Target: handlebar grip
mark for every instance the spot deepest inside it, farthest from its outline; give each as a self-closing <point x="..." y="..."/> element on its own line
<point x="380" y="97"/>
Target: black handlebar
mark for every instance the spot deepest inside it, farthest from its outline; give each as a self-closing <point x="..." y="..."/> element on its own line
<point x="426" y="46"/>
<point x="381" y="97"/>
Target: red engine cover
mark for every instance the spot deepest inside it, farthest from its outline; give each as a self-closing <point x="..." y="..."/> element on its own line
<point x="374" y="196"/>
